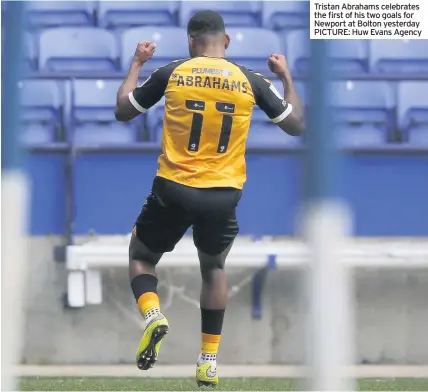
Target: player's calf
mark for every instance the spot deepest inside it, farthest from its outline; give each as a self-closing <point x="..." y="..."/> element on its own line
<point x="144" y="287"/>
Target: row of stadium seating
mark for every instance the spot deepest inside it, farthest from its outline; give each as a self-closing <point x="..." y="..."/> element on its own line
<point x="119" y="14"/>
<point x="81" y="112"/>
<point x="71" y="49"/>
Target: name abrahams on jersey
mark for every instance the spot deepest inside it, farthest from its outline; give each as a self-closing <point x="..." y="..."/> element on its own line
<point x="208" y="107"/>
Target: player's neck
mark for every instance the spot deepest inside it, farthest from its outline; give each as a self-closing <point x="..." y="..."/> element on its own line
<point x="212" y="51"/>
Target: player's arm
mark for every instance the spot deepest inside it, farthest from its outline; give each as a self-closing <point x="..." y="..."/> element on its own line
<point x="131" y="101"/>
<point x="287" y="112"/>
<point x="295" y="122"/>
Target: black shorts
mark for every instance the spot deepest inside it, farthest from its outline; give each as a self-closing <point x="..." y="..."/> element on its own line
<point x="171" y="208"/>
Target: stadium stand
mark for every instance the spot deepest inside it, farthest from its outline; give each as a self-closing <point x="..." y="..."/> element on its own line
<point x="94" y="123"/>
<point x="350" y="56"/>
<point x="413" y="111"/>
<point x="42" y="117"/>
<point x="70" y="49"/>
<point x="285" y="15"/>
<point x="44" y="14"/>
<point x="399" y="56"/>
<point x="78" y="52"/>
<point x="171" y="45"/>
<point x="363" y="112"/>
<point x="244" y="50"/>
<point x="235" y="13"/>
<point x="123" y="14"/>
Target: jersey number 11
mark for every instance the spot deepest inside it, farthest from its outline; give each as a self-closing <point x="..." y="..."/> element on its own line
<point x="198" y="118"/>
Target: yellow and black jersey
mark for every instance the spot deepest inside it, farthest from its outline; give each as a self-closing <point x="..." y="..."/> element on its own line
<point x="208" y="107"/>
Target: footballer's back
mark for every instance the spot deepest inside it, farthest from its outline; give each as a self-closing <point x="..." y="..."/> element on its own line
<point x="209" y="102"/>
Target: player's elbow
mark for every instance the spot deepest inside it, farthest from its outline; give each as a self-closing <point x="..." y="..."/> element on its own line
<point x="298" y="127"/>
<point x="293" y="125"/>
<point x="118" y="114"/>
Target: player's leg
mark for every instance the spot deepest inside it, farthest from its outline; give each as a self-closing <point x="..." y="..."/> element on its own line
<point x="159" y="227"/>
<point x="214" y="235"/>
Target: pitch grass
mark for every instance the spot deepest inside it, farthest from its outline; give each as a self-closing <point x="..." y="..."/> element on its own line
<point x="231" y="384"/>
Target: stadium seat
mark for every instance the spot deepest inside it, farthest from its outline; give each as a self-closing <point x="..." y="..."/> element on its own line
<point x="171" y="44"/>
<point x="278" y="15"/>
<point x="399" y="56"/>
<point x="77" y="49"/>
<point x="43" y="108"/>
<point x="103" y="135"/>
<point x="350" y="56"/>
<point x="121" y="14"/>
<point x="234" y="13"/>
<point x="351" y="137"/>
<point x="265" y="134"/>
<point x="252" y="47"/>
<point x="93" y="114"/>
<point x="94" y="100"/>
<point x="270" y="136"/>
<point x="363" y="107"/>
<point x="44" y="14"/>
<point x="296" y="46"/>
<point x="347" y="56"/>
<point x="35" y="135"/>
<point x="413" y="111"/>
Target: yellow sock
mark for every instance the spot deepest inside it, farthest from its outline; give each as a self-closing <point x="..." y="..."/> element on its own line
<point x="210" y="343"/>
<point x="149" y="305"/>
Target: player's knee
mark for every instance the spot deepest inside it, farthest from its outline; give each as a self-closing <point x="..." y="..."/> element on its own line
<point x="213" y="260"/>
<point x="211" y="270"/>
<point x="138" y="251"/>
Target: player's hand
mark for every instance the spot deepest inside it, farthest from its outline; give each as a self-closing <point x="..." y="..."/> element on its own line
<point x="144" y="52"/>
<point x="278" y="64"/>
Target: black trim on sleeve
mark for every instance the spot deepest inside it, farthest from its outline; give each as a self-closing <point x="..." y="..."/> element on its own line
<point x="264" y="94"/>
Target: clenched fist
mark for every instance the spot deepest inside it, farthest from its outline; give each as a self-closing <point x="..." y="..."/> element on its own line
<point x="278" y="64"/>
<point x="144" y="52"/>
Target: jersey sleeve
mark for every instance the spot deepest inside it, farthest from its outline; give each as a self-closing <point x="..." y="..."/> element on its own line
<point x="151" y="91"/>
<point x="269" y="99"/>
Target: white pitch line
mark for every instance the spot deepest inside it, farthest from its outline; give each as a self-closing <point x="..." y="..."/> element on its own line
<point x="226" y="371"/>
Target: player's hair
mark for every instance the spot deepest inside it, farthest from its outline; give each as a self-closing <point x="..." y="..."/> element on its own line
<point x="204" y="23"/>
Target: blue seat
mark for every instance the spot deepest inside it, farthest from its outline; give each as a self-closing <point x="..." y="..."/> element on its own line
<point x="43" y="14"/>
<point x="350" y="56"/>
<point x="351" y="137"/>
<point x="399" y="56"/>
<point x="252" y="47"/>
<point x="278" y="15"/>
<point x="265" y="134"/>
<point x="347" y="56"/>
<point x="93" y="114"/>
<point x="35" y="135"/>
<point x="43" y="111"/>
<point x="77" y="49"/>
<point x="121" y="14"/>
<point x="171" y="44"/>
<point x="296" y="46"/>
<point x="363" y="107"/>
<point x="234" y="13"/>
<point x="270" y="136"/>
<point x="94" y="100"/>
<point x="103" y="135"/>
<point x="412" y="110"/>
